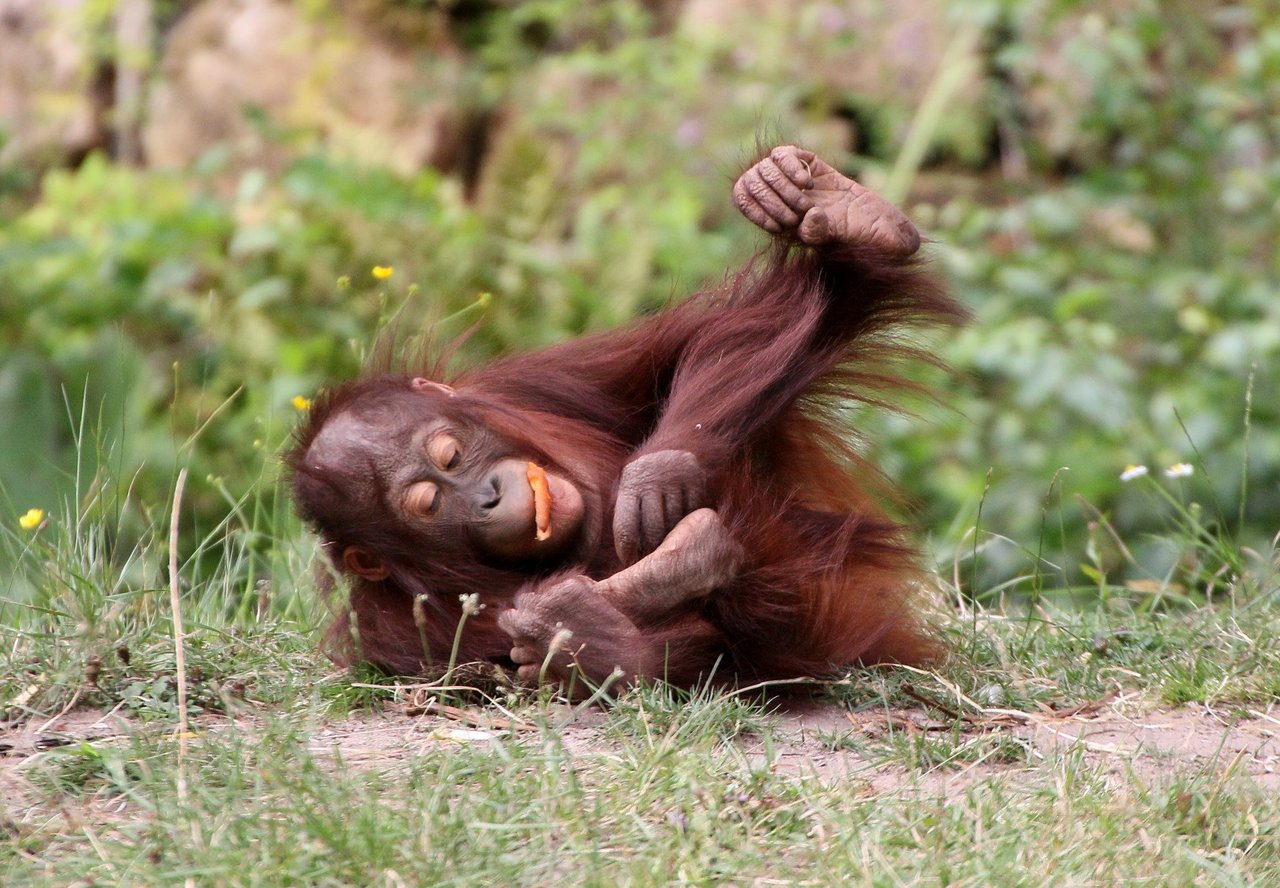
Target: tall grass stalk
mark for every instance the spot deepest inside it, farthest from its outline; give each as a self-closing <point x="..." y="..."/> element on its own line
<point x="958" y="66"/>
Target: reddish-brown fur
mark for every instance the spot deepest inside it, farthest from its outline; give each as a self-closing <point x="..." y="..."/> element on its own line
<point x="746" y="377"/>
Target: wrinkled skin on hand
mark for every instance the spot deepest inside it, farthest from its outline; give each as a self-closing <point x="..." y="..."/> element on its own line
<point x="572" y="627"/>
<point x="655" y="491"/>
<point x="699" y="556"/>
<point x="795" y="193"/>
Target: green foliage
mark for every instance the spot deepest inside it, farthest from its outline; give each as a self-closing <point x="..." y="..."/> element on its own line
<point x="1127" y="314"/>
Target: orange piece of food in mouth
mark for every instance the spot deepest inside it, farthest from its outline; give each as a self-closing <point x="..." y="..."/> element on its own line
<point x="541" y="501"/>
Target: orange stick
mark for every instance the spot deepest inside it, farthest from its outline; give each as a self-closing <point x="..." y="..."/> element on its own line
<point x="541" y="501"/>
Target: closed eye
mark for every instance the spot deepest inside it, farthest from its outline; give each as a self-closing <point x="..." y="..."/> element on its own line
<point x="444" y="451"/>
<point x="422" y="498"/>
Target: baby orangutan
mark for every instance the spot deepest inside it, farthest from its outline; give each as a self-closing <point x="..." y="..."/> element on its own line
<point x="675" y="500"/>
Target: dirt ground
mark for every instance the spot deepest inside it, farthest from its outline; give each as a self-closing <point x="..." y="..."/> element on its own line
<point x="1119" y="736"/>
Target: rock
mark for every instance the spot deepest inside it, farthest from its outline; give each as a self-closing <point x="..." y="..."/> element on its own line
<point x="269" y="79"/>
<point x="51" y="106"/>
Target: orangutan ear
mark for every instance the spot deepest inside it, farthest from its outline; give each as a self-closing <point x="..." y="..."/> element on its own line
<point x="426" y="385"/>
<point x="365" y="564"/>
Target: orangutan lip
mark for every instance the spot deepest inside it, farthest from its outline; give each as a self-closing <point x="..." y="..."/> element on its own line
<point x="541" y="501"/>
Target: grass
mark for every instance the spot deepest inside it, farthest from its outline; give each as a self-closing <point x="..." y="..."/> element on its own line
<point x="292" y="773"/>
<point x="270" y="804"/>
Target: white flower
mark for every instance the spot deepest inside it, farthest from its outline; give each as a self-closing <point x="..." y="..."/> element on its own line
<point x="1179" y="470"/>
<point x="1131" y="472"/>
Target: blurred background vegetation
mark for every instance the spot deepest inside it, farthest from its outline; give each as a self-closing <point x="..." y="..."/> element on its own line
<point x="193" y="195"/>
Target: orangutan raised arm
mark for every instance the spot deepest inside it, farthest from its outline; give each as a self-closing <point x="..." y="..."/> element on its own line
<point x="788" y="329"/>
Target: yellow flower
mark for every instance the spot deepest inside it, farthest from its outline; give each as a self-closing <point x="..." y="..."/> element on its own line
<point x="32" y="519"/>
<point x="300" y="403"/>
<point x="382" y="272"/>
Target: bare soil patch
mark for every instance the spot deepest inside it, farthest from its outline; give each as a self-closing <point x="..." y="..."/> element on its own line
<point x="1120" y="737"/>
<point x="808" y="742"/>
